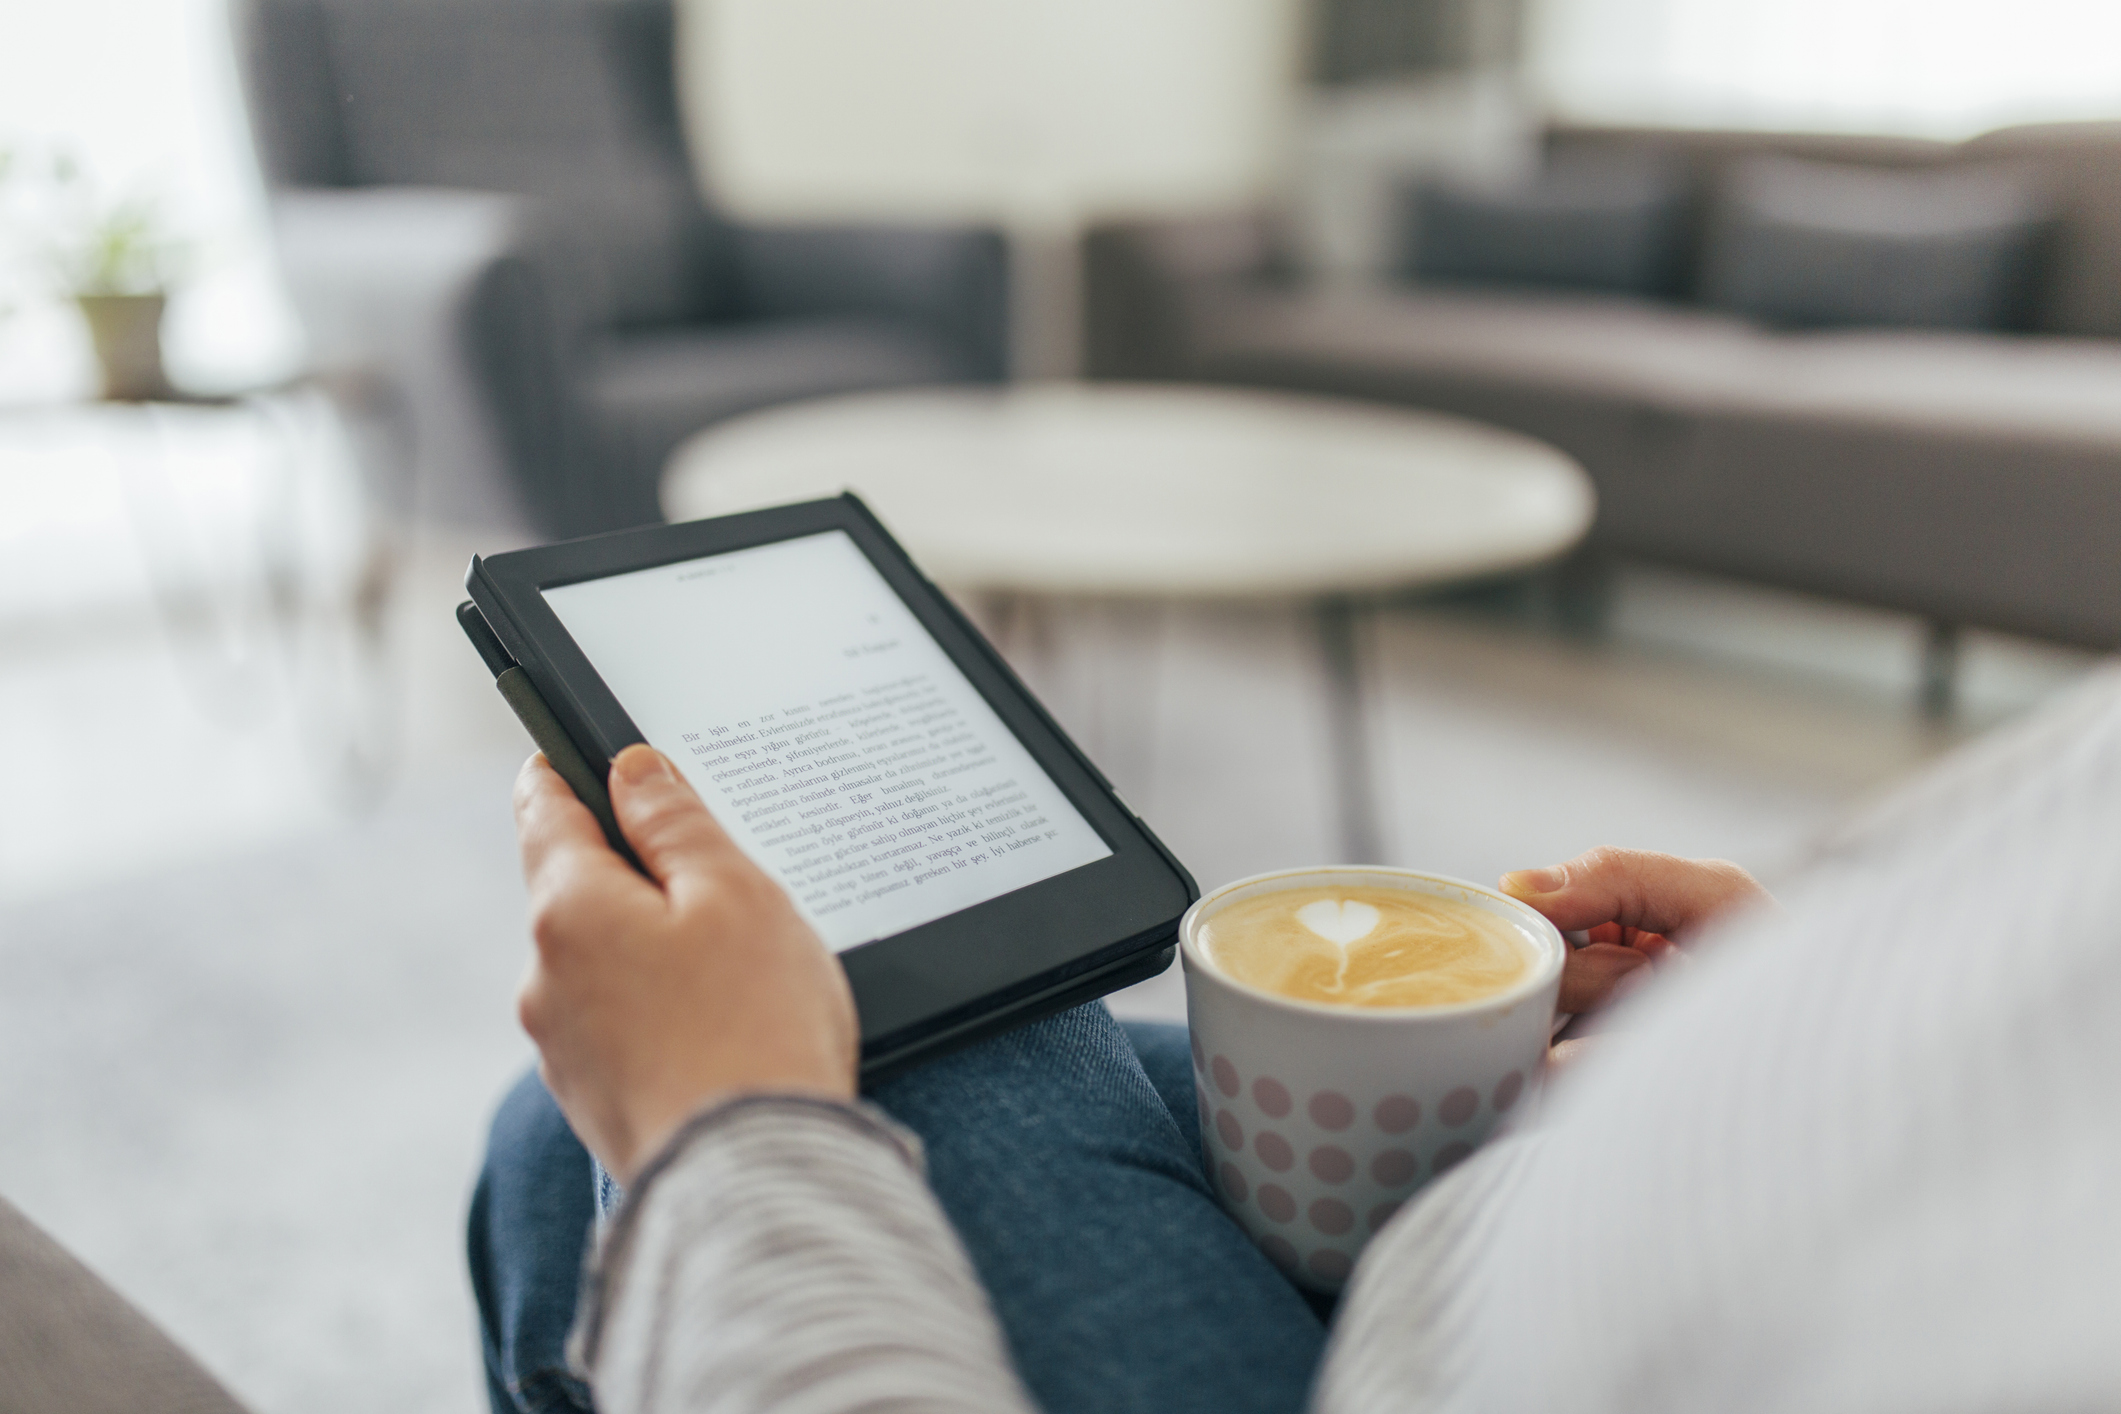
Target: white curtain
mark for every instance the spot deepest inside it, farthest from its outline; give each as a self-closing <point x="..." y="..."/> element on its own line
<point x="1941" y="68"/>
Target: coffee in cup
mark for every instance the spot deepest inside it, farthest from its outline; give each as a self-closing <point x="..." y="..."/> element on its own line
<point x="1357" y="1032"/>
<point x="1367" y="947"/>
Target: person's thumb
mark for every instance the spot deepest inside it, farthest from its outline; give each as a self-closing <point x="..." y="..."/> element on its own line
<point x="1659" y="893"/>
<point x="661" y="817"/>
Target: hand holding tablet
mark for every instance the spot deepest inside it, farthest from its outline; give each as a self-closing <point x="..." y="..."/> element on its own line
<point x="650" y="998"/>
<point x="859" y="742"/>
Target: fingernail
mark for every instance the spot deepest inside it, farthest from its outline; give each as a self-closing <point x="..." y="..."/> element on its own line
<point x="641" y="763"/>
<point x="1533" y="881"/>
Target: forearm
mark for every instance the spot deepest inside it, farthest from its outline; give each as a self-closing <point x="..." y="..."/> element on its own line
<point x="786" y="1254"/>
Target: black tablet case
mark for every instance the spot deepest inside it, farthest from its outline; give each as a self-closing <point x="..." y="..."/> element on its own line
<point x="566" y="758"/>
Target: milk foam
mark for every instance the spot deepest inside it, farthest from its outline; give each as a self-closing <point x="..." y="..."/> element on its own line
<point x="1421" y="949"/>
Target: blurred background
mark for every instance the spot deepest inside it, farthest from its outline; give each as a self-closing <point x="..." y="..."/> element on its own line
<point x="1799" y="324"/>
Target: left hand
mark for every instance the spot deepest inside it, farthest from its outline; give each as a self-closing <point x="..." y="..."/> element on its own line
<point x="652" y="998"/>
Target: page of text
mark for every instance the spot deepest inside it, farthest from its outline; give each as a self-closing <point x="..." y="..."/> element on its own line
<point x="829" y="733"/>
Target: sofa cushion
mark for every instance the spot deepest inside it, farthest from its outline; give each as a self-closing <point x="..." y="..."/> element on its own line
<point x="1610" y="346"/>
<point x="1677" y="361"/>
<point x="647" y="392"/>
<point x="1592" y="221"/>
<point x="2028" y="390"/>
<point x="1798" y="243"/>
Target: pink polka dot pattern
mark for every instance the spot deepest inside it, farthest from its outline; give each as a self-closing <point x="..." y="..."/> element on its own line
<point x="1273" y="1150"/>
<point x="1280" y="1251"/>
<point x="1271" y="1096"/>
<point x="1234" y="1182"/>
<point x="1332" y="1163"/>
<point x="1232" y="1133"/>
<point x="1449" y="1156"/>
<point x="1275" y="1202"/>
<point x="1396" y="1114"/>
<point x="1394" y="1167"/>
<point x="1331" y="1216"/>
<point x="1382" y="1214"/>
<point x="1507" y="1090"/>
<point x="1332" y="1110"/>
<point x="1225" y="1075"/>
<point x="1459" y="1106"/>
<point x="1329" y="1265"/>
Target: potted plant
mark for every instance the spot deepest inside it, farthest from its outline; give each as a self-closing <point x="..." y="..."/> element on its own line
<point x="115" y="262"/>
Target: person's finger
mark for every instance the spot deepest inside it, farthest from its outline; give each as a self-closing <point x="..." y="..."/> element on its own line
<point x="1655" y="946"/>
<point x="1591" y="976"/>
<point x="668" y="826"/>
<point x="1659" y="893"/>
<point x="555" y="830"/>
<point x="577" y="883"/>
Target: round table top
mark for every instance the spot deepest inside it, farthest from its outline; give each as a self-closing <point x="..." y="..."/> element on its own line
<point x="1154" y="490"/>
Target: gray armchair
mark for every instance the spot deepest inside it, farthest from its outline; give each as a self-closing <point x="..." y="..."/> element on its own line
<point x="491" y="200"/>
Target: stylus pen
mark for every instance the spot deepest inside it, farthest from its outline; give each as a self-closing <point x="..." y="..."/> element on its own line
<point x="544" y="728"/>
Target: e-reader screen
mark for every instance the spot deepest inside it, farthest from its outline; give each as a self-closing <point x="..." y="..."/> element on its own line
<point x="830" y="734"/>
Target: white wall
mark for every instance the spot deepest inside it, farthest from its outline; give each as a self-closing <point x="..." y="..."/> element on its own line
<point x="1937" y="68"/>
<point x="987" y="109"/>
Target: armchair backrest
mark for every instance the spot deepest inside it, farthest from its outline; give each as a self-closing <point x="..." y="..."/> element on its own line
<point x="570" y="102"/>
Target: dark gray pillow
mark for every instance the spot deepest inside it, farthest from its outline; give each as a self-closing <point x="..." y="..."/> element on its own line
<point x="1827" y="244"/>
<point x="1589" y="221"/>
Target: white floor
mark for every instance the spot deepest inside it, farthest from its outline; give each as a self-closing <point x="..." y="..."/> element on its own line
<point x="259" y="923"/>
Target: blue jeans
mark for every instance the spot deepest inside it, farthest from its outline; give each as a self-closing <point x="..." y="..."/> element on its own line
<point x="1067" y="1155"/>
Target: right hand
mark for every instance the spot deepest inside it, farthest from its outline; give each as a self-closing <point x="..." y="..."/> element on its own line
<point x="1632" y="902"/>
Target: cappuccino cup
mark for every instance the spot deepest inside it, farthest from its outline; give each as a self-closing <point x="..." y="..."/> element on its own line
<point x="1357" y="1031"/>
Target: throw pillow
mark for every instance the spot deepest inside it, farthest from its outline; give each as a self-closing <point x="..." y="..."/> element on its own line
<point x="1591" y="221"/>
<point x="1800" y="243"/>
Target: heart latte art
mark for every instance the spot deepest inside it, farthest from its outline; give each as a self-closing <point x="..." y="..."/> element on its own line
<point x="1367" y="947"/>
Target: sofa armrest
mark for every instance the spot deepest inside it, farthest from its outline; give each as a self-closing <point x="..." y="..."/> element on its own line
<point x="1135" y="278"/>
<point x="953" y="280"/>
<point x="69" y="1344"/>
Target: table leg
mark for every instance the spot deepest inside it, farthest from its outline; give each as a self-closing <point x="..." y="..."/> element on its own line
<point x="1341" y="621"/>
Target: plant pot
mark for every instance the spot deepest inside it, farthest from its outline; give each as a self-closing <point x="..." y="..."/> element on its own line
<point x="127" y="330"/>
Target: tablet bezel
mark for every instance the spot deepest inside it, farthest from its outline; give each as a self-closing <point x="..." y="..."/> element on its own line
<point x="940" y="976"/>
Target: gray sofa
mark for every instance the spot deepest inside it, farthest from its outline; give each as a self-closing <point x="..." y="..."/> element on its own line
<point x="1972" y="477"/>
<point x="69" y="1344"/>
<point x="490" y="202"/>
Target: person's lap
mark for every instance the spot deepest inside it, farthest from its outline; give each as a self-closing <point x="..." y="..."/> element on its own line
<point x="1067" y="1155"/>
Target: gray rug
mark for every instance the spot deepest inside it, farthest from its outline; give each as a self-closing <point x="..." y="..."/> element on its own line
<point x="251" y="1094"/>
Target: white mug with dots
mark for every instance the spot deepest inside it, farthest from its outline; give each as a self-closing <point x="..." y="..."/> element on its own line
<point x="1319" y="1119"/>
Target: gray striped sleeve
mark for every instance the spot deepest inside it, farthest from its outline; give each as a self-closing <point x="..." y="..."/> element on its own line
<point x="786" y="1254"/>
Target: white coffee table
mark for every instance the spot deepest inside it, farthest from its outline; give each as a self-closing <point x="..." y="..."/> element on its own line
<point x="1166" y="492"/>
